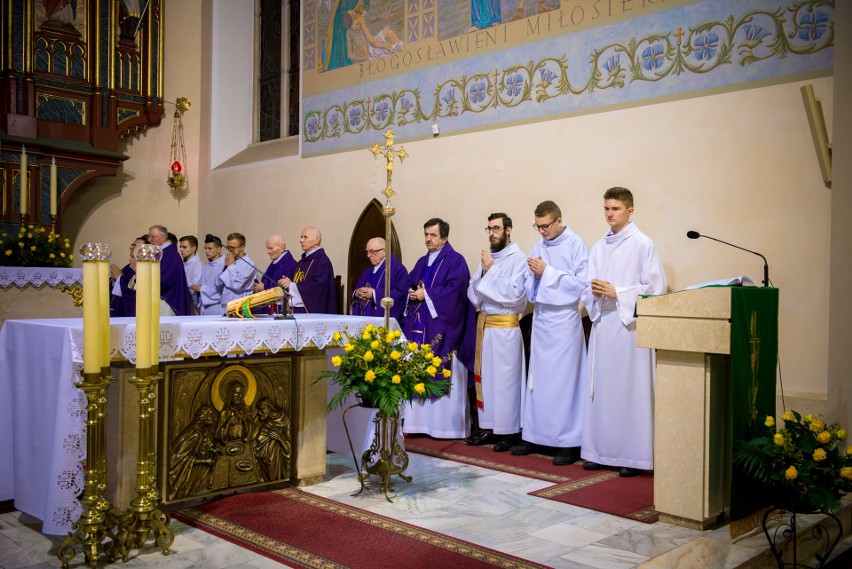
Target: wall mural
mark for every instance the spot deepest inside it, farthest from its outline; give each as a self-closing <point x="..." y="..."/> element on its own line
<point x="375" y="65"/>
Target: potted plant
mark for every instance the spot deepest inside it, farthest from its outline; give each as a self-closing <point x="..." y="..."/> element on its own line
<point x="34" y="246"/>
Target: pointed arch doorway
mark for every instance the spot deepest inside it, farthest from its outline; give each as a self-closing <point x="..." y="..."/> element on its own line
<point x="370" y="224"/>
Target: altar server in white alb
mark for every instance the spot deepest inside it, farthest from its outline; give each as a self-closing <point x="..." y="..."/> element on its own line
<point x="497" y="291"/>
<point x="553" y="404"/>
<point x="208" y="293"/>
<point x="618" y="427"/>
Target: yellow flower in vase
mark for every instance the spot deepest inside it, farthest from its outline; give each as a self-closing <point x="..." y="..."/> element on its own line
<point x="431" y="370"/>
<point x="824" y="437"/>
<point x="446" y="373"/>
<point x="770" y="421"/>
<point x="336" y="361"/>
<point x="819" y="454"/>
<point x="841" y="434"/>
<point x="412" y="346"/>
<point x="370" y="375"/>
<point x="778" y="439"/>
<point x="394" y="355"/>
<point x="348" y="348"/>
<point x="791" y="473"/>
<point x="436" y="361"/>
<point x="368" y="356"/>
<point x="420" y="388"/>
<point x="396" y="379"/>
<point x="374" y="344"/>
<point x="846" y="472"/>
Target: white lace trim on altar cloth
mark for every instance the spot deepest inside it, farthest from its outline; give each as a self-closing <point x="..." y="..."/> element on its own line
<point x="39" y="276"/>
<point x="192" y="336"/>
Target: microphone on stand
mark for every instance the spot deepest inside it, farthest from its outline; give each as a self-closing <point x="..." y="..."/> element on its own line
<point x="696" y="235"/>
<point x="285" y="298"/>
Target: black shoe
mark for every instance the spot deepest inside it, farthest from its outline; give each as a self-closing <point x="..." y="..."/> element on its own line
<point x="503" y="445"/>
<point x="627" y="472"/>
<point x="589" y="465"/>
<point x="521" y="449"/>
<point x="481" y="438"/>
<point x="567" y="456"/>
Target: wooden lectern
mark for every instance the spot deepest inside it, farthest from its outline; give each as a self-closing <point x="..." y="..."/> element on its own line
<point x="716" y="353"/>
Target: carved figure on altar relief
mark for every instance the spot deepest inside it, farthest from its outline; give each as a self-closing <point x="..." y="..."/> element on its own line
<point x="235" y="421"/>
<point x="272" y="445"/>
<point x="193" y="456"/>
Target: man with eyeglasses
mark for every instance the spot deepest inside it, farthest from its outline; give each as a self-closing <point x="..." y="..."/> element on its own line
<point x="553" y="398"/>
<point x="618" y="428"/>
<point x="312" y="286"/>
<point x="174" y="292"/>
<point x="497" y="291"/>
<point x="237" y="276"/>
<point x="370" y="288"/>
<point x="439" y="313"/>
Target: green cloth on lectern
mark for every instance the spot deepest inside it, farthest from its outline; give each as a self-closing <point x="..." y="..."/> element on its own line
<point x="754" y="351"/>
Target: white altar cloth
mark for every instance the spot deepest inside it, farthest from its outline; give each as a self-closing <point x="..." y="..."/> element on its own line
<point x="39" y="276"/>
<point x="42" y="413"/>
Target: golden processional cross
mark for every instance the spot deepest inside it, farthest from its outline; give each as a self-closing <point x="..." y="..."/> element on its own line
<point x="390" y="153"/>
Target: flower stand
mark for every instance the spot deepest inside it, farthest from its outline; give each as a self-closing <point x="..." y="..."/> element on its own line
<point x="385" y="457"/>
<point x="787" y="533"/>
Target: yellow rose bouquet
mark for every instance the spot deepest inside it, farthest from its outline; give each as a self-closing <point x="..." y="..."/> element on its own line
<point x="805" y="466"/>
<point x="34" y="246"/>
<point x="384" y="370"/>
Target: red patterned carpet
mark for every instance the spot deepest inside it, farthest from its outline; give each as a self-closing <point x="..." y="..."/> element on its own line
<point x="303" y="530"/>
<point x="600" y="490"/>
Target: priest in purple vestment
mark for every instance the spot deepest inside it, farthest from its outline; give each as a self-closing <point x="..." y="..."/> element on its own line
<point x="123" y="298"/>
<point x="312" y="288"/>
<point x="282" y="264"/>
<point x="440" y="314"/>
<point x="173" y="288"/>
<point x="370" y="288"/>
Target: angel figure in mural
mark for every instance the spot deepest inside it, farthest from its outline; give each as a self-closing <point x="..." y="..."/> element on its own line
<point x="362" y="44"/>
<point x="335" y="49"/>
<point x="519" y="13"/>
<point x="485" y="14"/>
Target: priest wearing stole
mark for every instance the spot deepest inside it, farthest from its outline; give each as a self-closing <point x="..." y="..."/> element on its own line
<point x="370" y="288"/>
<point x="174" y="292"/>
<point x="553" y="395"/>
<point x="618" y="427"/>
<point x="496" y="289"/>
<point x="438" y="313"/>
<point x="282" y="264"/>
<point x="312" y="288"/>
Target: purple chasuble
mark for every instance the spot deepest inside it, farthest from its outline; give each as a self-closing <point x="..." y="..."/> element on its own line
<point x="124" y="305"/>
<point x="400" y="284"/>
<point x="446" y="283"/>
<point x="284" y="267"/>
<point x="173" y="287"/>
<point x="314" y="277"/>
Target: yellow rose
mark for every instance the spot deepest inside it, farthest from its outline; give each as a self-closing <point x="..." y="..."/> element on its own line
<point x="841" y="434"/>
<point x="369" y="376"/>
<point x="819" y="455"/>
<point x="849" y="451"/>
<point x="436" y="361"/>
<point x="389" y="338"/>
<point x="431" y="370"/>
<point x="336" y="336"/>
<point x="53" y="255"/>
<point x="770" y="421"/>
<point x="365" y="336"/>
<point x="809" y="417"/>
<point x="33" y="248"/>
<point x="368" y="356"/>
<point x="394" y="355"/>
<point x="63" y="255"/>
<point x="29" y="235"/>
<point x="8" y="252"/>
<point x="420" y="388"/>
<point x="817" y="426"/>
<point x="788" y="416"/>
<point x="348" y="347"/>
<point x="412" y="346"/>
<point x="446" y="373"/>
<point x="397" y="334"/>
<point x="824" y="437"/>
<point x="374" y="344"/>
<point x="396" y="379"/>
<point x="425" y="347"/>
<point x="778" y="439"/>
<point x="846" y="472"/>
<point x="791" y="473"/>
<point x="336" y="361"/>
<point x="368" y="328"/>
<point x="69" y="256"/>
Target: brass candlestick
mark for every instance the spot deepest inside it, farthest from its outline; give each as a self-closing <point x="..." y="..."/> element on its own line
<point x="145" y="516"/>
<point x="92" y="528"/>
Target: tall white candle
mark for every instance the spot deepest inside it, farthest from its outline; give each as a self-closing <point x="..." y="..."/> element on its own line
<point x="103" y="311"/>
<point x="155" y="313"/>
<point x="143" y="314"/>
<point x="53" y="209"/>
<point x="24" y="199"/>
<point x="91" y="322"/>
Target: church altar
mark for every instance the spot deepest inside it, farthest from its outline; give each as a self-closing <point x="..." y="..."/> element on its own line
<point x="42" y="413"/>
<point x="49" y="292"/>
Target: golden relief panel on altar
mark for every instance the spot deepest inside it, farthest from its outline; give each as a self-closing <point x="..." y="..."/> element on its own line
<point x="224" y="426"/>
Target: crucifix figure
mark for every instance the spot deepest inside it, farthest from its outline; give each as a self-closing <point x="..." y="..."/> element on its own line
<point x="390" y="153"/>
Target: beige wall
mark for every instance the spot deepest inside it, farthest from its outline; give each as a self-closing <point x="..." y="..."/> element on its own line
<point x="739" y="166"/>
